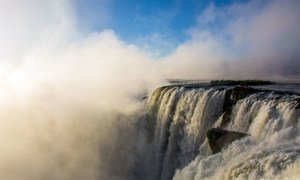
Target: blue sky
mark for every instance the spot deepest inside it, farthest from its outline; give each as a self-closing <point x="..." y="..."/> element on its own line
<point x="143" y="21"/>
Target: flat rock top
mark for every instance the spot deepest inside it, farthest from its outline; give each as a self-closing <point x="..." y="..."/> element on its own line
<point x="279" y="86"/>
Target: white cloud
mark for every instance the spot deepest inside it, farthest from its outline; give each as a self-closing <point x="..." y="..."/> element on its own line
<point x="244" y="40"/>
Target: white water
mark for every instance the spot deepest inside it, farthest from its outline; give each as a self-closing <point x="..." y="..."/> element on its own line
<point x="180" y="118"/>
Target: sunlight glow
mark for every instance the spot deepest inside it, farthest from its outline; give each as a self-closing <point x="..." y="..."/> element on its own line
<point x="18" y="82"/>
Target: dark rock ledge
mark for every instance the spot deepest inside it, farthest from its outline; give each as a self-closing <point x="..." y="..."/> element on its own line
<point x="219" y="138"/>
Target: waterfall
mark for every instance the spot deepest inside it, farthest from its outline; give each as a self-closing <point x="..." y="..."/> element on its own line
<point x="178" y="118"/>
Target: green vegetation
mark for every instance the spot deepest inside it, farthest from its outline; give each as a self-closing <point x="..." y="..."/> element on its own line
<point x="240" y="82"/>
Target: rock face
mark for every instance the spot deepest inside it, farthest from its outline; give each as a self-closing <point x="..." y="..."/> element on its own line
<point x="298" y="104"/>
<point x="231" y="98"/>
<point x="219" y="138"/>
<point x="233" y="95"/>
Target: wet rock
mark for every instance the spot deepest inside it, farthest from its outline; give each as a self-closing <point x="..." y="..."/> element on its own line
<point x="232" y="96"/>
<point x="298" y="103"/>
<point x="219" y="138"/>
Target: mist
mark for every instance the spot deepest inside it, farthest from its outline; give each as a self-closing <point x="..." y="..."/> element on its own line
<point x="67" y="98"/>
<point x="70" y="99"/>
<point x="255" y="39"/>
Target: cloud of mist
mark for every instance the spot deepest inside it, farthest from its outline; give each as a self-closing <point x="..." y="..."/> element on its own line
<point x="65" y="95"/>
<point x="255" y="39"/>
<point x="68" y="99"/>
<point x="270" y="38"/>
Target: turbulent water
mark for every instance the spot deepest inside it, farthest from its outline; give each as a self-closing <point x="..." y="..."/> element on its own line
<point x="172" y="141"/>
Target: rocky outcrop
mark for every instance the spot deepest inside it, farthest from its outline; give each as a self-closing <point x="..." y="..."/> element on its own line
<point x="231" y="98"/>
<point x="298" y="103"/>
<point x="219" y="138"/>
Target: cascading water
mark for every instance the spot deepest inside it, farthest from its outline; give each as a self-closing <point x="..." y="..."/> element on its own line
<point x="178" y="118"/>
